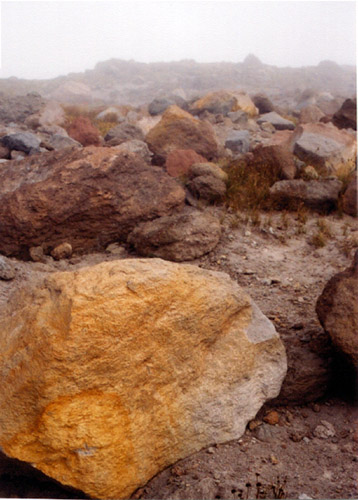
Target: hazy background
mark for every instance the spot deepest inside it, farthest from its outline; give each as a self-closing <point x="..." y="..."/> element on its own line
<point x="44" y="39"/>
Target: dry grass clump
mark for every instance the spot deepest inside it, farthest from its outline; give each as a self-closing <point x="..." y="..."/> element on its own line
<point x="74" y="111"/>
<point x="248" y="186"/>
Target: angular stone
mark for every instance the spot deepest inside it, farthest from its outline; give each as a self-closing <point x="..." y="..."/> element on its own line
<point x="138" y="147"/>
<point x="350" y="198"/>
<point x="178" y="129"/>
<point x="63" y="251"/>
<point x="263" y="103"/>
<point x="277" y="121"/>
<point x="337" y="310"/>
<point x="179" y="161"/>
<point x="7" y="269"/>
<point x="321" y="195"/>
<point x="111" y="373"/>
<point x="198" y="169"/>
<point x="179" y="237"/>
<point x="311" y="114"/>
<point x="88" y="197"/>
<point x="207" y="187"/>
<point x="346" y="116"/>
<point x="57" y="142"/>
<point x="238" y="141"/>
<point x="22" y="141"/>
<point x="223" y="102"/>
<point x="123" y="132"/>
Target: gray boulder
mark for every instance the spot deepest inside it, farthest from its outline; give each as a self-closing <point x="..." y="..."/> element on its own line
<point x="138" y="147"/>
<point x="238" y="141"/>
<point x="22" y="141"/>
<point x="122" y="133"/>
<point x="321" y="195"/>
<point x="277" y="121"/>
<point x="57" y="142"/>
<point x="238" y="117"/>
<point x="184" y="236"/>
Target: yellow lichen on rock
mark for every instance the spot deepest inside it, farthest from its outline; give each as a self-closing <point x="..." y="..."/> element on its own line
<point x="113" y="372"/>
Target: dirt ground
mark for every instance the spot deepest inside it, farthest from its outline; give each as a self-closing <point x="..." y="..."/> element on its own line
<point x="307" y="445"/>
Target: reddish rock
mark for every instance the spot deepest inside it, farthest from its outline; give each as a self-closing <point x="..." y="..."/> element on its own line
<point x="178" y="129"/>
<point x="346" y="116"/>
<point x="179" y="161"/>
<point x="277" y="159"/>
<point x="83" y="131"/>
<point x="337" y="310"/>
<point x="350" y="196"/>
<point x="87" y="197"/>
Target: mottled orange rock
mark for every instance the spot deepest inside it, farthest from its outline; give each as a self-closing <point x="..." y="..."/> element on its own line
<point x="178" y="129"/>
<point x="113" y="372"/>
<point x="223" y="102"/>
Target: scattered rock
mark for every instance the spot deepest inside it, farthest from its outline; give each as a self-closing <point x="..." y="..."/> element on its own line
<point x="17" y="155"/>
<point x="321" y="195"/>
<point x="272" y="417"/>
<point x="160" y="104"/>
<point x="337" y="310"/>
<point x="325" y="146"/>
<point x="51" y="198"/>
<point x="278" y="161"/>
<point x="83" y="131"/>
<point x="22" y="141"/>
<point x="346" y="116"/>
<point x="199" y="169"/>
<point x="57" y="142"/>
<point x="350" y="198"/>
<point x="16" y="109"/>
<point x="37" y="254"/>
<point x="7" y="269"/>
<point x="179" y="161"/>
<point x="309" y="173"/>
<point x="266" y="433"/>
<point x="178" y="129"/>
<point x="238" y="141"/>
<point x="178" y="237"/>
<point x="325" y="430"/>
<point x="263" y="103"/>
<point x="138" y="147"/>
<point x="122" y="133"/>
<point x="223" y="102"/>
<point x="238" y="117"/>
<point x="277" y="121"/>
<point x="207" y="188"/>
<point x="62" y="251"/>
<point x="311" y="114"/>
<point x="139" y="344"/>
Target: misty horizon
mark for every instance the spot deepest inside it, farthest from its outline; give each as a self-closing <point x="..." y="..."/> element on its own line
<point x="45" y="40"/>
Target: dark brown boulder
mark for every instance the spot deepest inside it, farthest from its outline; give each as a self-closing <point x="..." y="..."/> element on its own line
<point x="337" y="310"/>
<point x="178" y="237"/>
<point x="277" y="160"/>
<point x="346" y="116"/>
<point x="263" y="103"/>
<point x="350" y="197"/>
<point x="179" y="161"/>
<point x="88" y="197"/>
<point x="83" y="131"/>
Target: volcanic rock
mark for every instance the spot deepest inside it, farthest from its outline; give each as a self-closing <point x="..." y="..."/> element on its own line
<point x="207" y="187"/>
<point x="325" y="147"/>
<point x="22" y="141"/>
<point x="337" y="310"/>
<point x="88" y="197"/>
<point x="238" y="141"/>
<point x="311" y="114"/>
<point x="276" y="160"/>
<point x="179" y="237"/>
<point x="320" y="195"/>
<point x="178" y="129"/>
<point x="350" y="197"/>
<point x="223" y="102"/>
<point x="83" y="131"/>
<point x="263" y="103"/>
<point x="179" y="161"/>
<point x="277" y="121"/>
<point x="346" y="116"/>
<point x="122" y="133"/>
<point x="138" y="147"/>
<point x="198" y="169"/>
<point x="57" y="142"/>
<point x="111" y="373"/>
<point x="16" y="109"/>
<point x="7" y="269"/>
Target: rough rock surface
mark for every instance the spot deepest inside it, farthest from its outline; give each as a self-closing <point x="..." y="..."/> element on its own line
<point x="123" y="132"/>
<point x="321" y="195"/>
<point x="16" y="109"/>
<point x="337" y="310"/>
<point x="238" y="141"/>
<point x="57" y="142"/>
<point x="88" y="197"/>
<point x="115" y="371"/>
<point x="179" y="161"/>
<point x="138" y="147"/>
<point x="7" y="269"/>
<point x="277" y="121"/>
<point x="178" y="129"/>
<point x="223" y="102"/>
<point x="178" y="237"/>
<point x="277" y="160"/>
<point x="346" y="116"/>
<point x="22" y="141"/>
<point x="207" y="187"/>
<point x="350" y="197"/>
<point x="263" y="103"/>
<point x="311" y="114"/>
<point x="83" y="131"/>
<point x="198" y="169"/>
<point x="324" y="145"/>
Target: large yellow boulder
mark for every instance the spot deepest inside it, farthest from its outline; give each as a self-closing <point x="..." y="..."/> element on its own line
<point x="224" y="102"/>
<point x="178" y="129"/>
<point x="113" y="372"/>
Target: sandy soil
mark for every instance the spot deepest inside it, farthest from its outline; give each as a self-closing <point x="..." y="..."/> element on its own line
<point x="311" y="445"/>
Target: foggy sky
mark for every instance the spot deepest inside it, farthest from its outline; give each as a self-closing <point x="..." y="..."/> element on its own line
<point x="45" y="39"/>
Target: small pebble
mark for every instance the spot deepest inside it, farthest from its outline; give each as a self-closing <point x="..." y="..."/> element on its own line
<point x="272" y="417"/>
<point x="274" y="460"/>
<point x="210" y="450"/>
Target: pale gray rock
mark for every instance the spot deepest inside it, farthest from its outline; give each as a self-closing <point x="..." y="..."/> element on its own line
<point x="238" y="141"/>
<point x="277" y="121"/>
